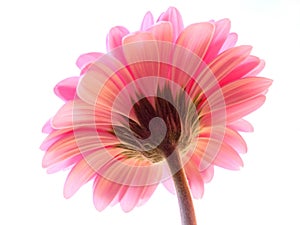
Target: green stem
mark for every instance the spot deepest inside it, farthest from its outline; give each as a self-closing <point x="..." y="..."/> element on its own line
<point x="185" y="201"/>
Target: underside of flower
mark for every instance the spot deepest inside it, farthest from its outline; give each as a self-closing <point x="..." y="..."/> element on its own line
<point x="157" y="127"/>
<point x="166" y="102"/>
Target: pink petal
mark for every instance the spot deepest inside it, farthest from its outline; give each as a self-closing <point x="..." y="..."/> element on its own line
<point x="104" y="192"/>
<point x="63" y="165"/>
<point x="222" y="28"/>
<point x="162" y="31"/>
<point x="228" y="60"/>
<point x="87" y="58"/>
<point x="229" y="42"/>
<point x="78" y="114"/>
<point x="228" y="158"/>
<point x="244" y="89"/>
<point x="147" y="21"/>
<point x="213" y="151"/>
<point x="66" y="89"/>
<point x="207" y="174"/>
<point x="256" y="70"/>
<point x="241" y="125"/>
<point x="147" y="193"/>
<point x="173" y="15"/>
<point x="169" y="185"/>
<point x="137" y="37"/>
<point x="47" y="127"/>
<point x="197" y="38"/>
<point x="229" y="136"/>
<point x="115" y="36"/>
<point x="249" y="64"/>
<point x="102" y="80"/>
<point x="81" y="173"/>
<point x="241" y="109"/>
<point x="195" y="180"/>
<point x="235" y="140"/>
<point x="54" y="136"/>
<point x="131" y="198"/>
<point x="62" y="149"/>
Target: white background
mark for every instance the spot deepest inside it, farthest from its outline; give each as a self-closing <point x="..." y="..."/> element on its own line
<point x="39" y="43"/>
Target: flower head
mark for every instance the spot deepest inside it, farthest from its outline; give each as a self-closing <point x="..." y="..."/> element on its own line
<point x="158" y="92"/>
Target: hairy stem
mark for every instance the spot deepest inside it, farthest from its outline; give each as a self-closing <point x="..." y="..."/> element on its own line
<point x="185" y="201"/>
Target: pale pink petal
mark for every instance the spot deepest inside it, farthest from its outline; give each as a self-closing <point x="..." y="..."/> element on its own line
<point x="228" y="158"/>
<point x="222" y="28"/>
<point x="131" y="198"/>
<point x="241" y="125"/>
<point x="115" y="36"/>
<point x="63" y="165"/>
<point x="47" y="127"/>
<point x="229" y="136"/>
<point x="229" y="42"/>
<point x="173" y="15"/>
<point x="54" y="136"/>
<point x="147" y="21"/>
<point x="81" y="173"/>
<point x="169" y="185"/>
<point x="66" y="89"/>
<point x="78" y="114"/>
<point x="195" y="179"/>
<point x="63" y="149"/>
<point x="213" y="151"/>
<point x="197" y="38"/>
<point x="235" y="140"/>
<point x="87" y="58"/>
<point x="207" y="174"/>
<point x="147" y="193"/>
<point x="104" y="192"/>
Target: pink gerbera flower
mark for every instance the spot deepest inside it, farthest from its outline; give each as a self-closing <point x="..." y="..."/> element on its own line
<point x="164" y="105"/>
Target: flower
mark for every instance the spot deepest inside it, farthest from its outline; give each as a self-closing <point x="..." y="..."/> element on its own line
<point x="163" y="89"/>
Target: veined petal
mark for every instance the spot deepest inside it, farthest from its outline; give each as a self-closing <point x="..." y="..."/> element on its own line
<point x="249" y="64"/>
<point x="241" y="109"/>
<point x="131" y="198"/>
<point x="222" y="28"/>
<point x="212" y="151"/>
<point x="228" y="60"/>
<point x="197" y="38"/>
<point x="104" y="192"/>
<point x="229" y="136"/>
<point x="244" y="89"/>
<point x="82" y="172"/>
<point x="228" y="158"/>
